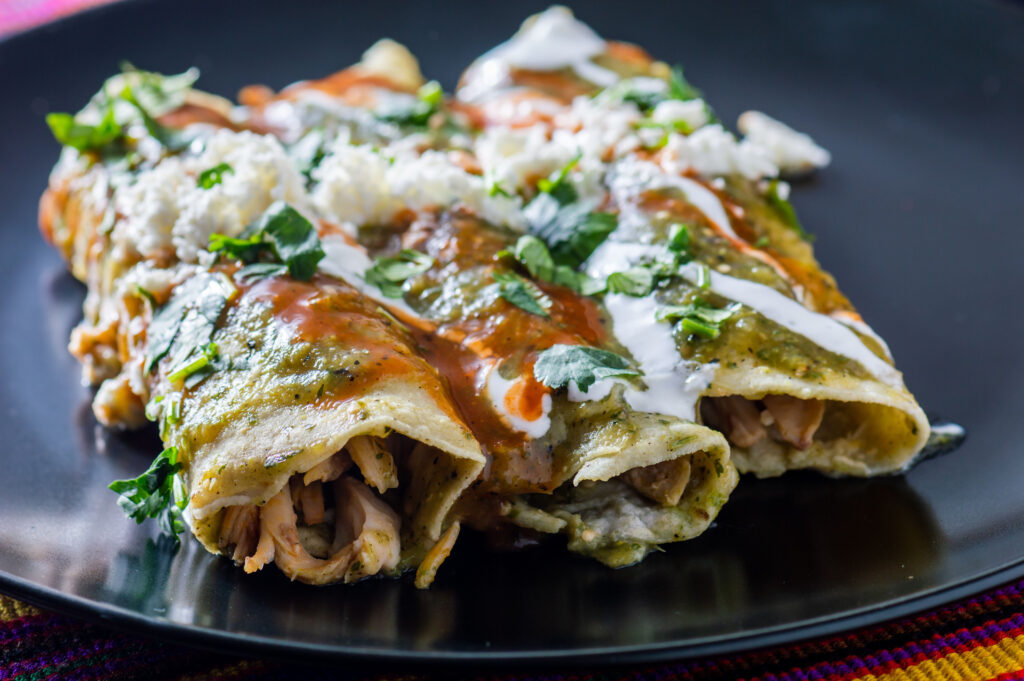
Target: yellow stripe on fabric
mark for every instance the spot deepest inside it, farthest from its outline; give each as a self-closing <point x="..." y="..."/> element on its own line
<point x="981" y="663"/>
<point x="11" y="609"/>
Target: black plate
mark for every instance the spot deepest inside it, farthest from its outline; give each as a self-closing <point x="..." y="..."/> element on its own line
<point x="919" y="217"/>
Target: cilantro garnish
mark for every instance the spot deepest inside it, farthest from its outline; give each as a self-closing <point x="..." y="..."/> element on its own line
<point x="283" y="236"/>
<point x="389" y="273"/>
<point x="71" y="133"/>
<point x="419" y="111"/>
<point x="572" y="232"/>
<point x="188" y="320"/>
<point x="679" y="238"/>
<point x="556" y="184"/>
<point x="149" y="94"/>
<point x="522" y="293"/>
<point x="698" y="317"/>
<point x="559" y="365"/>
<point x="636" y="281"/>
<point x="534" y="255"/>
<point x="785" y="211"/>
<point x="309" y="151"/>
<point x="680" y="88"/>
<point x="211" y="177"/>
<point x="157" y="493"/>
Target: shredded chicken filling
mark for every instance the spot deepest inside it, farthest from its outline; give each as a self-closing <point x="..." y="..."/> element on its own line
<point x="328" y="524"/>
<point x="782" y="417"/>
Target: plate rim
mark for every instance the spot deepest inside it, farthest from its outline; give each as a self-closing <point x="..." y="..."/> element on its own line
<point x="222" y="641"/>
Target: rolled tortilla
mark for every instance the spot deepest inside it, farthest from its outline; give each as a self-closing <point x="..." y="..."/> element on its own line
<point x="292" y="447"/>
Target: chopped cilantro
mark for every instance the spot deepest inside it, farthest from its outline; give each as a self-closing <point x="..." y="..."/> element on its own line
<point x="522" y="293"/>
<point x="207" y="354"/>
<point x="283" y="234"/>
<point x="636" y="281"/>
<point x="148" y="93"/>
<point x="260" y="270"/>
<point x="495" y="189"/>
<point x="680" y="88"/>
<point x="189" y="318"/>
<point x="211" y="177"/>
<point x="69" y="132"/>
<point x="389" y="273"/>
<point x="309" y="151"/>
<point x="535" y="257"/>
<point x="785" y="211"/>
<point x="419" y="111"/>
<point x="556" y="184"/>
<point x="571" y="232"/>
<point x="559" y="365"/>
<point x="703" y="277"/>
<point x="157" y="493"/>
<point x="698" y="317"/>
<point x="679" y="238"/>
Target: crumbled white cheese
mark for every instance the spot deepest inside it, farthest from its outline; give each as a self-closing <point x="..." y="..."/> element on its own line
<point x="359" y="185"/>
<point x="516" y="157"/>
<point x="693" y="112"/>
<point x="713" y="151"/>
<point x="165" y="208"/>
<point x="791" y="151"/>
<point x="352" y="186"/>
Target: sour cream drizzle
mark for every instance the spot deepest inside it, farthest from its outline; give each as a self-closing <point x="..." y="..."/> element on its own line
<point x="349" y="263"/>
<point x="673" y="384"/>
<point x="498" y="389"/>
<point x="818" y="328"/>
<point x="550" y="41"/>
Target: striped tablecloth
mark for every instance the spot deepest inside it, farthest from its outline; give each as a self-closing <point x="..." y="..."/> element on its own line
<point x="974" y="640"/>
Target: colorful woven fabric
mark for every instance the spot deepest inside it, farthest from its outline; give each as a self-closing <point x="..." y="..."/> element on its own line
<point x="980" y="639"/>
<point x="17" y="15"/>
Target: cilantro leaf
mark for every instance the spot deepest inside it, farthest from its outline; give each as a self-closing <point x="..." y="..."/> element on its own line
<point x="155" y="494"/>
<point x="189" y="318"/>
<point x="309" y="151"/>
<point x="785" y="211"/>
<point x="293" y="238"/>
<point x="559" y="365"/>
<point x="535" y="257"/>
<point x="556" y="184"/>
<point x="636" y="281"/>
<point x="698" y="317"/>
<point x="260" y="270"/>
<point x="679" y="238"/>
<point x="522" y="293"/>
<point x="388" y="273"/>
<point x="211" y="177"/>
<point x="680" y="88"/>
<point x="419" y="111"/>
<point x="148" y="93"/>
<point x="281" y="232"/>
<point x="571" y="232"/>
<point x="69" y="132"/>
<point x="171" y="139"/>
